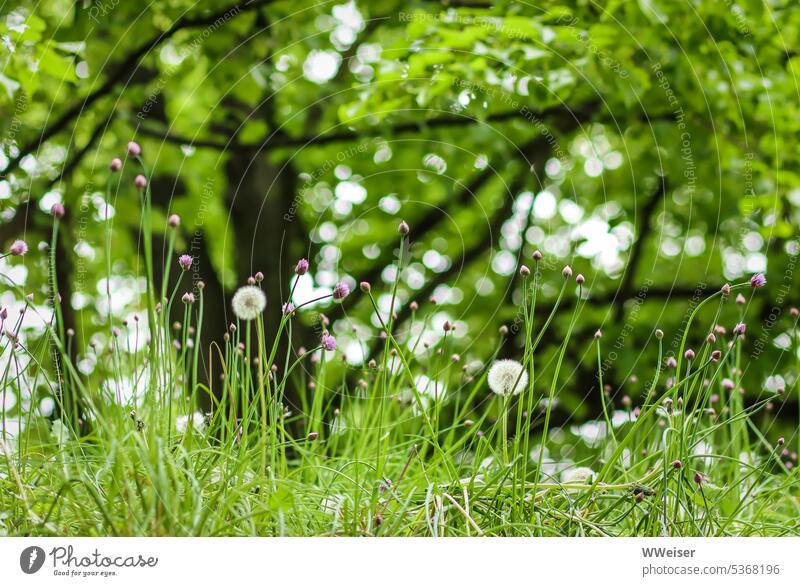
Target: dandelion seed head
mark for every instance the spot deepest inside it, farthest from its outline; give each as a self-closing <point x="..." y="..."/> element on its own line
<point x="248" y="302"/>
<point x="507" y="377"/>
<point x="579" y="475"/>
<point x="198" y="422"/>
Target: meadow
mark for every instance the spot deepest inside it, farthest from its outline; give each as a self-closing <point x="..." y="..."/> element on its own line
<point x="255" y="436"/>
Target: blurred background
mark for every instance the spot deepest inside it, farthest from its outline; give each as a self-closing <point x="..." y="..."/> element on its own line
<point x="650" y="145"/>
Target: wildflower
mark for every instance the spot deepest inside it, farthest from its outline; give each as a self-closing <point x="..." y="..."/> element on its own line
<point x="188" y="298"/>
<point x="758" y="280"/>
<point x="537" y="256"/>
<point x="689" y="354"/>
<point x="201" y="285"/>
<point x="781" y="441"/>
<point x="140" y="181"/>
<point x="134" y="149"/>
<point x="580" y="279"/>
<point x="739" y="329"/>
<point x="659" y="334"/>
<point x="302" y="267"/>
<point x="251" y="280"/>
<point x="259" y="277"/>
<point x="507" y="377"/>
<point x="580" y="475"/>
<point x="248" y="302"/>
<point x="698" y="478"/>
<point x="198" y="422"/>
<point x="365" y="287"/>
<point x="174" y="221"/>
<point x="413" y="306"/>
<point x="185" y="261"/>
<point x="288" y="308"/>
<point x="728" y="384"/>
<point x="716" y="355"/>
<point x="567" y="272"/>
<point x="403" y="229"/>
<point x="340" y="291"/>
<point x="740" y="299"/>
<point x="598" y="334"/>
<point x="726" y="289"/>
<point x="18" y="248"/>
<point x="524" y="271"/>
<point x="671" y="362"/>
<point x="115" y="165"/>
<point x="711" y="338"/>
<point x="446" y="326"/>
<point x="794" y="312"/>
<point x="677" y="465"/>
<point x="328" y="342"/>
<point x="312" y="436"/>
<point x="503" y="330"/>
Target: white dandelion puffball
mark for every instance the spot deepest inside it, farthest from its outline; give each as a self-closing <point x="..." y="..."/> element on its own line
<point x="580" y="475"/>
<point x="198" y="422"/>
<point x="248" y="302"/>
<point x="504" y="374"/>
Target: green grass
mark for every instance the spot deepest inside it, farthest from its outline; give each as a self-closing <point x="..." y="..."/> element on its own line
<point x="384" y="457"/>
<point x="295" y="444"/>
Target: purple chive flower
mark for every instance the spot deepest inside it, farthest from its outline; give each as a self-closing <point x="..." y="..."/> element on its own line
<point x="728" y="384"/>
<point x="185" y="261"/>
<point x="328" y="342"/>
<point x="740" y="299"/>
<point x="340" y="291"/>
<point x="18" y="248"/>
<point x="302" y="267"/>
<point x="116" y="164"/>
<point x="140" y="181"/>
<point x="671" y="362"/>
<point x="698" y="478"/>
<point x="188" y="298"/>
<point x="758" y="280"/>
<point x="739" y="329"/>
<point x="288" y="308"/>
<point x="57" y="210"/>
<point x="134" y="149"/>
<point x="677" y="464"/>
<point x="567" y="272"/>
<point x="689" y="354"/>
<point x="174" y="221"/>
<point x="3" y="314"/>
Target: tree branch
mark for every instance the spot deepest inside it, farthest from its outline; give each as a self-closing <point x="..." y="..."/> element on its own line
<point x="128" y="67"/>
